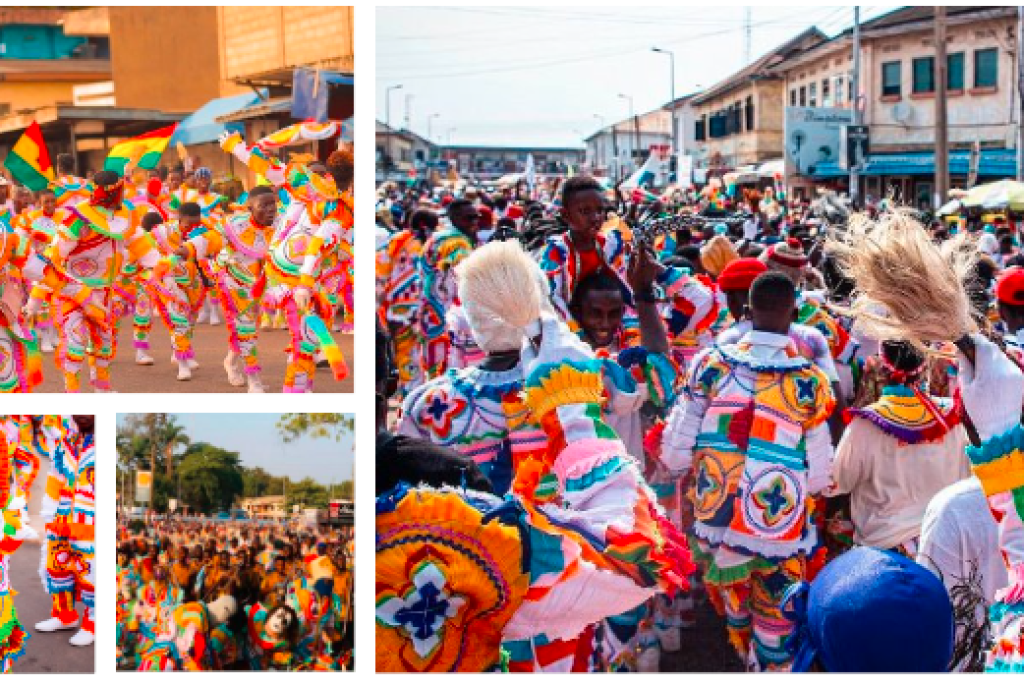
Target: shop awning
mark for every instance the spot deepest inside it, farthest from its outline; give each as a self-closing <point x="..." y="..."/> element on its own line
<point x="992" y="163"/>
<point x="202" y="126"/>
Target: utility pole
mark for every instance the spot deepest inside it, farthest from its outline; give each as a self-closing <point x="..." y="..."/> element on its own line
<point x="858" y="119"/>
<point x="673" y="163"/>
<point x="1020" y="93"/>
<point x="941" y="123"/>
<point x="387" y="124"/>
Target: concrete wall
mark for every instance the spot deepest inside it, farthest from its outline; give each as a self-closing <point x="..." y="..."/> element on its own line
<point x="165" y="57"/>
<point x="762" y="143"/>
<point x="31" y="95"/>
<point x="257" y="40"/>
<point x="984" y="116"/>
<point x="828" y="65"/>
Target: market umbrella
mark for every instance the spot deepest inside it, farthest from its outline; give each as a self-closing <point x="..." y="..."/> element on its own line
<point x="1008" y="195"/>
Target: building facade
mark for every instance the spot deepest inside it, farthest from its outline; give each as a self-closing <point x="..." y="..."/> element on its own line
<point x="485" y="163"/>
<point x="265" y="507"/>
<point x="739" y="121"/>
<point x="619" y="149"/>
<point x="897" y="98"/>
<point x="42" y="60"/>
<point x="899" y="82"/>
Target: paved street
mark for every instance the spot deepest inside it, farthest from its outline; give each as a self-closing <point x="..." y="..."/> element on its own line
<point x="43" y="652"/>
<point x="211" y="345"/>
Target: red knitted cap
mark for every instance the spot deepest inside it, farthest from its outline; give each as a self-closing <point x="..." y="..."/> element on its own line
<point x="1010" y="286"/>
<point x="739" y="274"/>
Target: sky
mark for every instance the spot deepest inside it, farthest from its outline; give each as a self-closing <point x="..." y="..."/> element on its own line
<point x="258" y="442"/>
<point x="539" y="75"/>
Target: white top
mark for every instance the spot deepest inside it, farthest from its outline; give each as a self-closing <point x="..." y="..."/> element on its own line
<point x="959" y="531"/>
<point x="890" y="484"/>
<point x="809" y="341"/>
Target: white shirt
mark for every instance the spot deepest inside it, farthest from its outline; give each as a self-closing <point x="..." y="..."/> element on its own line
<point x="890" y="485"/>
<point x="809" y="341"/>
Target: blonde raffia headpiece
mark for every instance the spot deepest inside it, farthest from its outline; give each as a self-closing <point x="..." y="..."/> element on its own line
<point x="898" y="269"/>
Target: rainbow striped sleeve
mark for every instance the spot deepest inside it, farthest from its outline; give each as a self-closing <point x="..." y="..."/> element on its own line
<point x="258" y="161"/>
<point x="999" y="465"/>
<point x="607" y="539"/>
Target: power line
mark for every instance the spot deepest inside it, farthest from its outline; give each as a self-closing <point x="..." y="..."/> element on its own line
<point x="561" y="61"/>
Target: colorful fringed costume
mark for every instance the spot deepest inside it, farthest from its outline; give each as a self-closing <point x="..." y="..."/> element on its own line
<point x="565" y="267"/>
<point x="436" y="268"/>
<point x="399" y="296"/>
<point x="69" y="511"/>
<point x="690" y="312"/>
<point x="88" y="253"/>
<point x="460" y="572"/>
<point x="999" y="464"/>
<point x="752" y="429"/>
<point x="313" y="236"/>
<point x="238" y="247"/>
<point x="20" y="360"/>
<point x="12" y="635"/>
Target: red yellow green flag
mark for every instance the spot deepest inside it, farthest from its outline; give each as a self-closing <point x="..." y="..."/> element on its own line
<point x="146" y="149"/>
<point x="29" y="160"/>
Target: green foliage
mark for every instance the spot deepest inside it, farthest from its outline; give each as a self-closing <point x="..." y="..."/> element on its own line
<point x="211" y="477"/>
<point x="208" y="478"/>
<point x="317" y="425"/>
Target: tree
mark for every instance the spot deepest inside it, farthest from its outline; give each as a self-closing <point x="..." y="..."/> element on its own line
<point x="307" y="493"/>
<point x="170" y="437"/>
<point x="346" y="490"/>
<point x="317" y="425"/>
<point x="211" y="477"/>
<point x="255" y="482"/>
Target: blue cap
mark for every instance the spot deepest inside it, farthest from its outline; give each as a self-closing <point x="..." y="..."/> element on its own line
<point x="871" y="611"/>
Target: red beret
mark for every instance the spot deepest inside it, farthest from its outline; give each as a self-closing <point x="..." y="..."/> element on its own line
<point x="1010" y="286"/>
<point x="739" y="274"/>
<point x="486" y="216"/>
<point x="514" y="211"/>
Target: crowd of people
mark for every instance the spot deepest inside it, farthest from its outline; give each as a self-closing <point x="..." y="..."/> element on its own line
<point x="83" y="257"/>
<point x="68" y="513"/>
<point x="598" y="410"/>
<point x="218" y="595"/>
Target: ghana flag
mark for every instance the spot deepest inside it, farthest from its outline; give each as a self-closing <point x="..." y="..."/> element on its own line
<point x="29" y="161"/>
<point x="145" y="149"/>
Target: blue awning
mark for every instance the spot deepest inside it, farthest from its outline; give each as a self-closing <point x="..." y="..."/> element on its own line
<point x="992" y="163"/>
<point x="202" y="127"/>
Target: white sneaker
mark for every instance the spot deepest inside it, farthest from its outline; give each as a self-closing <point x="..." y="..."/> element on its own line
<point x="214" y="315"/>
<point x="204" y="316"/>
<point x="649" y="659"/>
<point x="192" y="364"/>
<point x="142" y="358"/>
<point x="235" y="377"/>
<point x="54" y="624"/>
<point x="668" y="637"/>
<point x="46" y="345"/>
<point x="256" y="386"/>
<point x="184" y="372"/>
<point x="82" y="638"/>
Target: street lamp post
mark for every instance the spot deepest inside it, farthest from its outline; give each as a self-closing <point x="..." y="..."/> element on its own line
<point x="672" y="106"/>
<point x="636" y="128"/>
<point x="430" y="120"/>
<point x="387" y="123"/>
